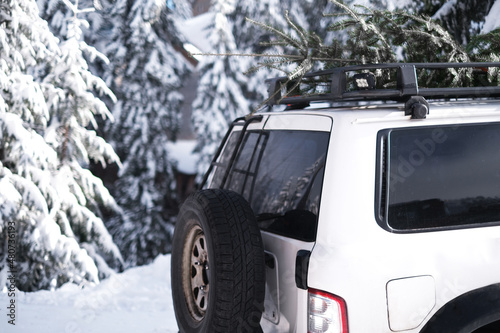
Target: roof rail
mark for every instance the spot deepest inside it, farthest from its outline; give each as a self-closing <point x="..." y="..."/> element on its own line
<point x="335" y="84"/>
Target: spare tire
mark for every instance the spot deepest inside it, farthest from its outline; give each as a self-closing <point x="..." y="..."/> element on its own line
<point x="217" y="270"/>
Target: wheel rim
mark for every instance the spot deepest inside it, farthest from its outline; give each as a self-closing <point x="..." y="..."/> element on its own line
<point x="195" y="273"/>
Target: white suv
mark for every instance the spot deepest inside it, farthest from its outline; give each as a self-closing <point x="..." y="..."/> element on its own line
<point x="358" y="208"/>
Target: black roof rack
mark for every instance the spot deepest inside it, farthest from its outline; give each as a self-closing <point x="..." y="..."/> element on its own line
<point x="334" y="84"/>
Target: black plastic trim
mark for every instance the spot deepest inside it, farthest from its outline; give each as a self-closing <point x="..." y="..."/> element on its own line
<point x="237" y="147"/>
<point x="302" y="268"/>
<point x="223" y="143"/>
<point x="467" y="312"/>
<point x="219" y="150"/>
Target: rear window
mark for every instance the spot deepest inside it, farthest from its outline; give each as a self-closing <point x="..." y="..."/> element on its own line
<point x="280" y="173"/>
<point x="439" y="177"/>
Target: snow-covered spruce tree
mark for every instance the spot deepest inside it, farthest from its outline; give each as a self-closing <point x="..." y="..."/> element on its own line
<point x="145" y="73"/>
<point x="251" y="39"/>
<point x="308" y="14"/>
<point x="248" y="38"/>
<point x="462" y="18"/>
<point x="181" y="9"/>
<point x="58" y="14"/>
<point x="48" y="200"/>
<point x="220" y="98"/>
<point x="485" y="46"/>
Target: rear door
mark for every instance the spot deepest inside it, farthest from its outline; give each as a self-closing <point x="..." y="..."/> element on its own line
<point x="279" y="170"/>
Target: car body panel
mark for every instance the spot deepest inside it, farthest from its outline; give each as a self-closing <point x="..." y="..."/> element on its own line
<point x="353" y="257"/>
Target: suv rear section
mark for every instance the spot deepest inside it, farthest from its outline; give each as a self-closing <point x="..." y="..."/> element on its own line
<point x="374" y="217"/>
<point x="279" y="170"/>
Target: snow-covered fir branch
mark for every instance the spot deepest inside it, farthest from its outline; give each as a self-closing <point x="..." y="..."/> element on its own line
<point x="145" y="72"/>
<point x="48" y="101"/>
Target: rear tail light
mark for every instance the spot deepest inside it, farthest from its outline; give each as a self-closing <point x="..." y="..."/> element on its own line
<point x="327" y="313"/>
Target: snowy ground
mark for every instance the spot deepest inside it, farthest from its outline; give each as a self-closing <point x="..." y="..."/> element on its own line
<point x="138" y="300"/>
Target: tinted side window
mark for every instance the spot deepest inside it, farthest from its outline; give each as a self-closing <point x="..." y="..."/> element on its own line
<point x="441" y="176"/>
<point x="281" y="174"/>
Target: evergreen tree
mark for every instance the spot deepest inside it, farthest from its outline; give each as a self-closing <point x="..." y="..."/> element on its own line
<point x="308" y="14"/>
<point x="58" y="15"/>
<point x="248" y="40"/>
<point x="180" y="8"/>
<point x="145" y="73"/>
<point x="491" y="20"/>
<point x="248" y="37"/>
<point x="462" y="18"/>
<point x="251" y="39"/>
<point x="473" y="23"/>
<point x="49" y="200"/>
<point x="220" y="98"/>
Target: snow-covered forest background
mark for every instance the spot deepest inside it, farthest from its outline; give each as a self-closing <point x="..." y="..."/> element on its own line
<point x="101" y="106"/>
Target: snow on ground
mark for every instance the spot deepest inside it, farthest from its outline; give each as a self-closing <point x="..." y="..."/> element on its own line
<point x="181" y="152"/>
<point x="137" y="300"/>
